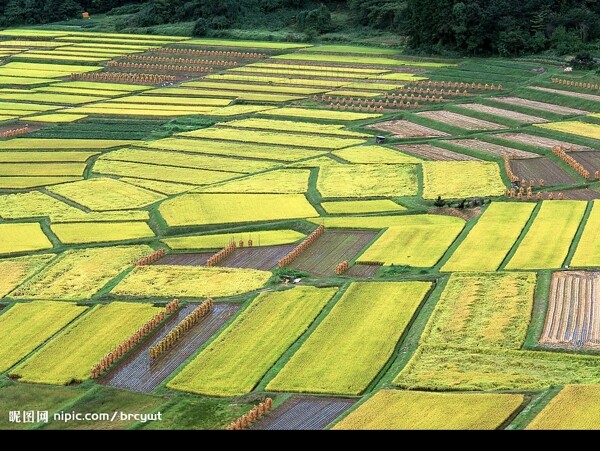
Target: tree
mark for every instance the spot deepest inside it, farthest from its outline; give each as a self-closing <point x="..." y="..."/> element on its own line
<point x="584" y="61"/>
<point x="317" y="20"/>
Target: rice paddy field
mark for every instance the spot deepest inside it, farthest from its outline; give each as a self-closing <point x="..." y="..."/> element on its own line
<point x="387" y="242"/>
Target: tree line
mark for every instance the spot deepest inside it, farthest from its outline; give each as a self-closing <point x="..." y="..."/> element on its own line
<point x="468" y="27"/>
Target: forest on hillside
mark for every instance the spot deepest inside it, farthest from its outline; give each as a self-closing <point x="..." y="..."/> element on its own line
<point x="469" y="27"/>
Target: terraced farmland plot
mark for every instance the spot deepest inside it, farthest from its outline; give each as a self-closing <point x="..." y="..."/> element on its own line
<point x="407" y="129"/>
<point x="574" y="128"/>
<point x="574" y="407"/>
<point x="136" y="109"/>
<point x="44" y="97"/>
<point x="549" y="237"/>
<point x="542" y="106"/>
<point x="573" y="311"/>
<point x="361" y="206"/>
<point x="264" y="258"/>
<point x="580" y="194"/>
<point x="374" y="155"/>
<point x="412" y="245"/>
<point x="542" y="168"/>
<point x="167" y="281"/>
<point x="430" y="152"/>
<point x="35" y="205"/>
<point x="349" y="347"/>
<point x="313" y="113"/>
<point x="79" y="274"/>
<point x="28" y="325"/>
<point x="168" y="100"/>
<point x="590" y="160"/>
<point x="108" y="399"/>
<point x="443" y="368"/>
<point x="381" y="222"/>
<point x="473" y="340"/>
<point x="69" y="356"/>
<point x="185" y="259"/>
<point x="22" y="237"/>
<point x="460" y="120"/>
<point x="287" y="80"/>
<point x="33" y="182"/>
<point x="219" y="241"/>
<point x="119" y="87"/>
<point x="105" y="194"/>
<point x="353" y="59"/>
<point x="332" y="247"/>
<point x="456" y="179"/>
<point x="139" y="372"/>
<point x="282" y="139"/>
<point x="238" y="358"/>
<point x="41" y="169"/>
<point x="274" y="64"/>
<point x="101" y="232"/>
<point x="588" y="248"/>
<point x="304" y="413"/>
<point x="55" y="118"/>
<point x="294" y="126"/>
<point x="564" y="92"/>
<point x="50" y="70"/>
<point x="424" y="410"/>
<point x="507" y="114"/>
<point x="16" y="270"/>
<point x="167" y="188"/>
<point x="488" y="243"/>
<point x="482" y="310"/>
<point x="33" y="398"/>
<point x="253" y="87"/>
<point x="282" y="70"/>
<point x="493" y="149"/>
<point x="157" y="172"/>
<point x="238" y="110"/>
<point x="185" y="160"/>
<point x="368" y="180"/>
<point x="204" y="209"/>
<point x="282" y="181"/>
<point x="539" y="141"/>
<point x="61" y="144"/>
<point x="230" y="148"/>
<point x="202" y="94"/>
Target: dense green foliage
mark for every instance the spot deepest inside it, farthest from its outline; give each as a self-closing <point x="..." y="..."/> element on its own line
<point x="474" y="27"/>
<point x="505" y="27"/>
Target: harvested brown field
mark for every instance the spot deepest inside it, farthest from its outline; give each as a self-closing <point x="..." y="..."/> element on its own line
<point x="513" y="115"/>
<point x="542" y="106"/>
<point x="435" y="153"/>
<point x="332" y="248"/>
<point x="464" y="213"/>
<point x="31" y="127"/>
<point x="580" y="194"/>
<point x="493" y="149"/>
<point x="264" y="257"/>
<point x="573" y="316"/>
<point x="304" y="413"/>
<point x="407" y="129"/>
<point x="579" y="95"/>
<point x="589" y="160"/>
<point x="187" y="259"/>
<point x="539" y="141"/>
<point x="541" y="168"/>
<point x="362" y="271"/>
<point x="460" y="120"/>
<point x="138" y="372"/>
